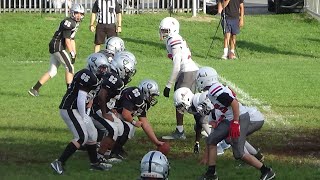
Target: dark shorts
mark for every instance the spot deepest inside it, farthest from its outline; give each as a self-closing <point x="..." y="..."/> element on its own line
<point x="232" y="26"/>
<point x="104" y="31"/>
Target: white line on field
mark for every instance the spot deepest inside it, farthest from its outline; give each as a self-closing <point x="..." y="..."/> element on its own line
<point x="28" y="62"/>
<point x="246" y="99"/>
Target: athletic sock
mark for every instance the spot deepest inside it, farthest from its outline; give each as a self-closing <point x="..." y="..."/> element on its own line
<point x="92" y="152"/>
<point x="37" y="86"/>
<point x="70" y="149"/>
<point x="211" y="169"/>
<point x="225" y="51"/>
<point x="180" y="128"/>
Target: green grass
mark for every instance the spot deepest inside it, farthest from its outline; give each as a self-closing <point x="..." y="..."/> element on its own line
<point x="278" y="66"/>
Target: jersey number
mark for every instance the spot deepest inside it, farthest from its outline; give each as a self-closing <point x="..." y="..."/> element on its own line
<point x="136" y="93"/>
<point x="85" y="77"/>
<point x="113" y="79"/>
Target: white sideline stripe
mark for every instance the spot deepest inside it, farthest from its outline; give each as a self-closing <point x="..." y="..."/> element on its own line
<point x="28" y="62"/>
<point x="250" y="101"/>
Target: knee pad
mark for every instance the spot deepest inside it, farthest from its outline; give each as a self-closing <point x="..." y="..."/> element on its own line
<point x="237" y="155"/>
<point x="52" y="71"/>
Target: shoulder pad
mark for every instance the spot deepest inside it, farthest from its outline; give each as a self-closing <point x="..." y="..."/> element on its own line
<point x="68" y="23"/>
<point x="216" y="89"/>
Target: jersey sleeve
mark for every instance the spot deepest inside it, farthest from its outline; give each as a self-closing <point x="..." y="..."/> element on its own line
<point x="67" y="25"/>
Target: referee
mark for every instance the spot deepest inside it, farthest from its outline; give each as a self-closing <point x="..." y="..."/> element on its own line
<point x="107" y="14"/>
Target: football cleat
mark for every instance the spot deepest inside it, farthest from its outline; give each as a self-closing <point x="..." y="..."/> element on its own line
<point x="268" y="175"/>
<point x="207" y="176"/>
<point x="100" y="166"/>
<point x="175" y="135"/>
<point x="33" y="92"/>
<point x="196" y="148"/>
<point x="57" y="166"/>
<point x="225" y="57"/>
<point x="219" y="150"/>
<point x="224" y="145"/>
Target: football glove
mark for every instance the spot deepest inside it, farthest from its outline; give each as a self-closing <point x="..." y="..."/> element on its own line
<point x="166" y="92"/>
<point x="234" y="130"/>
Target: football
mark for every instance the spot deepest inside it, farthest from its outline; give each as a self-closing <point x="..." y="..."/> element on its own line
<point x="165" y="148"/>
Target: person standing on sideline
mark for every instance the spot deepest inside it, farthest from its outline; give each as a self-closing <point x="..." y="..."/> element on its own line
<point x="108" y="16"/>
<point x="184" y="69"/>
<point x="62" y="39"/>
<point x="232" y="12"/>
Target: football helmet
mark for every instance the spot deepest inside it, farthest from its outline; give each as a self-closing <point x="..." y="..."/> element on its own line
<point x="77" y="8"/>
<point x="150" y="90"/>
<point x="169" y="26"/>
<point x="125" y="66"/>
<point x="154" y="165"/>
<point x="183" y="99"/>
<point x="206" y="77"/>
<point x="202" y="103"/>
<point x="114" y="45"/>
<point x="97" y="63"/>
<point x="129" y="54"/>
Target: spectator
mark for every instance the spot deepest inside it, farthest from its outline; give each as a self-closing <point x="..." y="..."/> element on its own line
<point x="62" y="39"/>
<point x="108" y="16"/>
<point x="232" y="13"/>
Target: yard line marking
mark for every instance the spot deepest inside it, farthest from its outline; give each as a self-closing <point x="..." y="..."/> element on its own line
<point x="270" y="116"/>
<point x="28" y="62"/>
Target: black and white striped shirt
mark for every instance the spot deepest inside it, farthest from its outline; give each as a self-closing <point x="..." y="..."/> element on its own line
<point x="106" y="11"/>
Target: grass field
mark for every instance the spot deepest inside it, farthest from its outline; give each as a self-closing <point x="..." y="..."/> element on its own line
<point x="278" y="71"/>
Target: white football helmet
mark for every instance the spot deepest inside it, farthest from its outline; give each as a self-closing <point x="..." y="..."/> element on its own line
<point x="77" y="8"/>
<point x="169" y="26"/>
<point x="97" y="63"/>
<point x="150" y="90"/>
<point x="114" y="45"/>
<point x="124" y="66"/>
<point x="202" y="103"/>
<point x="154" y="165"/>
<point x="183" y="99"/>
<point x="206" y="77"/>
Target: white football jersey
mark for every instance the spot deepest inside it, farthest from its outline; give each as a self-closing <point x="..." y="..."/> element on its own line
<point x="177" y="42"/>
<point x="216" y="90"/>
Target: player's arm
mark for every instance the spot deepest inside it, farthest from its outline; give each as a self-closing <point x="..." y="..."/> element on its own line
<point x="119" y="18"/>
<point x="241" y="18"/>
<point x="102" y="99"/>
<point x="147" y="128"/>
<point x="176" y="59"/>
<point x="94" y="12"/>
<point x="81" y="102"/>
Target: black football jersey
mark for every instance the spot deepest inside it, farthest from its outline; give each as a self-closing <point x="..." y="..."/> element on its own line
<point x="132" y="99"/>
<point x="113" y="84"/>
<point x="67" y="29"/>
<point x="82" y="80"/>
